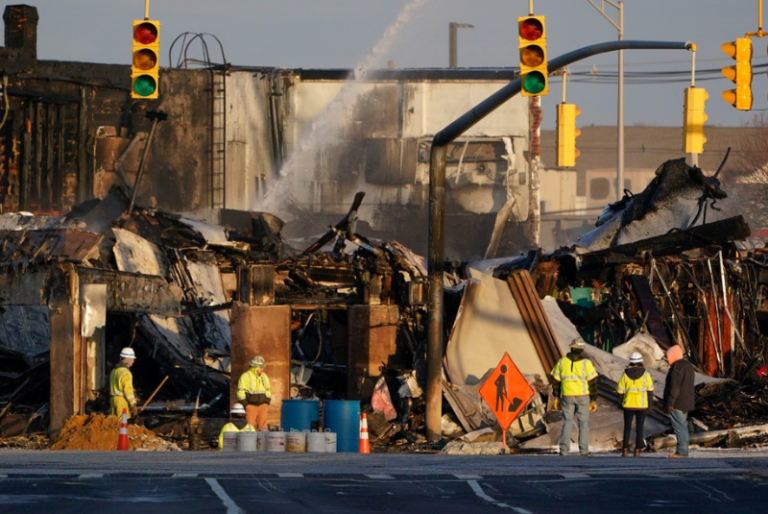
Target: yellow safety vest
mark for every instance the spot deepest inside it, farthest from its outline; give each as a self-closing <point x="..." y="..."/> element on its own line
<point x="635" y="392"/>
<point x="231" y="427"/>
<point x="121" y="390"/>
<point x="252" y="382"/>
<point x="573" y="376"/>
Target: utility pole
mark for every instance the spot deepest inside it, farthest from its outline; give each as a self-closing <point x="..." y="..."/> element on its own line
<point x="534" y="183"/>
<point x="619" y="25"/>
<point x="452" y="43"/>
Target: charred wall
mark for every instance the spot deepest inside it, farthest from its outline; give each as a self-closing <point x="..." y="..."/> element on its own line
<point x="57" y="116"/>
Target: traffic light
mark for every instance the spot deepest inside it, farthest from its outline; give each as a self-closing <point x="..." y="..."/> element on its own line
<point x="532" y="42"/>
<point x="567" y="134"/>
<point x="145" y="66"/>
<point x="693" y="120"/>
<point x="740" y="74"/>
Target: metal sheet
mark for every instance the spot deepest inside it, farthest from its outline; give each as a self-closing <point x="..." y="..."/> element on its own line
<point x="25" y="330"/>
<point x="93" y="302"/>
<point x="137" y="255"/>
<point x="489" y="323"/>
<point x="209" y="291"/>
<point x="211" y="233"/>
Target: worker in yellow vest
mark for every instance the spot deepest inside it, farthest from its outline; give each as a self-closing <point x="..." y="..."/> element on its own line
<point x="254" y="390"/>
<point x="636" y="390"/>
<point x="575" y="390"/>
<point x="121" y="393"/>
<point x="236" y="423"/>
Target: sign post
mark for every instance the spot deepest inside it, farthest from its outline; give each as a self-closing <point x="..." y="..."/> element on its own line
<point x="507" y="393"/>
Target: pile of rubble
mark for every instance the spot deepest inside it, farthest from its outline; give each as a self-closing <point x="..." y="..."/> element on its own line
<point x="98" y="432"/>
<point x="669" y="265"/>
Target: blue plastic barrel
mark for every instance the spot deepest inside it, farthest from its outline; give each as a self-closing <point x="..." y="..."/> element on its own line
<point x="299" y="414"/>
<point x="343" y="418"/>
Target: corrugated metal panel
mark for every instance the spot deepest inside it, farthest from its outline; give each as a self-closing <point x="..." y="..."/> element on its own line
<point x="535" y="319"/>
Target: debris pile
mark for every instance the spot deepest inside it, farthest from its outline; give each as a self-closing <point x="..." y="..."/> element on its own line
<point x="663" y="267"/>
<point x="99" y="432"/>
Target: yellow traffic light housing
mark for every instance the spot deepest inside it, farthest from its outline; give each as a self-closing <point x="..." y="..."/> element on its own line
<point x="567" y="134"/>
<point x="532" y="44"/>
<point x="740" y="73"/>
<point x="145" y="64"/>
<point x="694" y="119"/>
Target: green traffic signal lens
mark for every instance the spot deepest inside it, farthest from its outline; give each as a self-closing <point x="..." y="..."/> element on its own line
<point x="144" y="85"/>
<point x="534" y="82"/>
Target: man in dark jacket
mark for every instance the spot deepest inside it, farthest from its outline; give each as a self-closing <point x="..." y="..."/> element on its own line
<point x="679" y="397"/>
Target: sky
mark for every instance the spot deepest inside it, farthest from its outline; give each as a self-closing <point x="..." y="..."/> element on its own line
<point x="344" y="33"/>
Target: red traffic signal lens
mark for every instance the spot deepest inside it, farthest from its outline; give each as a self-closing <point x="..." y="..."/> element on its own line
<point x="532" y="56"/>
<point x="531" y="29"/>
<point x="145" y="33"/>
<point x="534" y="82"/>
<point x="145" y="59"/>
<point x="144" y="85"/>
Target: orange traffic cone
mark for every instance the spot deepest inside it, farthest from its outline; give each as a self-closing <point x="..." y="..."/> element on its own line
<point x="365" y="445"/>
<point x="122" y="439"/>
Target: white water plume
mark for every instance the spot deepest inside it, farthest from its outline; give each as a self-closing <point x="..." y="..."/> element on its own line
<point x="327" y="128"/>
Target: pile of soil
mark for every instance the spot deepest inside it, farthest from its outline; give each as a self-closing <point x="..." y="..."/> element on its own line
<point x="99" y="432"/>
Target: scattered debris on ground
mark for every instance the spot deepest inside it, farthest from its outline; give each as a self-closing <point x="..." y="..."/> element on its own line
<point x="99" y="432"/>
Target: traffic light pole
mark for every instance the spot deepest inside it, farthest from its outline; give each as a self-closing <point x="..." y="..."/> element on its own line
<point x="436" y="258"/>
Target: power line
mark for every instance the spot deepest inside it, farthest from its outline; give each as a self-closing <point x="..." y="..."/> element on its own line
<point x="652" y="77"/>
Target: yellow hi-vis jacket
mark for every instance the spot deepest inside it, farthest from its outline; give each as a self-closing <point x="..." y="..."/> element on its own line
<point x="122" y="395"/>
<point x="635" y="392"/>
<point x="253" y="383"/>
<point x="231" y="427"/>
<point x="574" y="376"/>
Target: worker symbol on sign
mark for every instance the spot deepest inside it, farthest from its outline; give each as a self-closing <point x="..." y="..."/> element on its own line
<point x="507" y="392"/>
<point x="501" y="392"/>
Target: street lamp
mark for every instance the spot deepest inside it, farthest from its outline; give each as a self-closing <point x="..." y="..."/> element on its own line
<point x="619" y="25"/>
<point x="452" y="52"/>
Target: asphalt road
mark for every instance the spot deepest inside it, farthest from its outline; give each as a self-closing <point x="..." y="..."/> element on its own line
<point x="231" y="483"/>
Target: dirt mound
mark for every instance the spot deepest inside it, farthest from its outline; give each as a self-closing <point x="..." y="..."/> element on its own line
<point x="99" y="432"/>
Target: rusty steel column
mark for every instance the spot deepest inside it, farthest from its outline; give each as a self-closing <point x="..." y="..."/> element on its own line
<point x="265" y="331"/>
<point x="435" y="316"/>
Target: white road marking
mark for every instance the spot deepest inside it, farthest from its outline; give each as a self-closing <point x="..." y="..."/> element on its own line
<point x="468" y="477"/>
<point x="231" y="506"/>
<point x="290" y="475"/>
<point x="184" y="475"/>
<point x="381" y="477"/>
<point x="92" y="475"/>
<point x="480" y="493"/>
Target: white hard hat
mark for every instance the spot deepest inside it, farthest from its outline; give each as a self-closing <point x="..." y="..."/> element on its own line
<point x="577" y="343"/>
<point x="237" y="409"/>
<point x="257" y="362"/>
<point x="636" y="358"/>
<point x="127" y="353"/>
